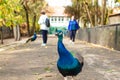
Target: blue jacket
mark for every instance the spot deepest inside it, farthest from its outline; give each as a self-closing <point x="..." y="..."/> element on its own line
<point x="73" y="25"/>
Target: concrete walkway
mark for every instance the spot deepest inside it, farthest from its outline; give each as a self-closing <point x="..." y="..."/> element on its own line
<point x="20" y="61"/>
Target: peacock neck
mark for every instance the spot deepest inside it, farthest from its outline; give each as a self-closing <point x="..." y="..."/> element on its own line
<point x="64" y="54"/>
<point x="60" y="39"/>
<point x="34" y="36"/>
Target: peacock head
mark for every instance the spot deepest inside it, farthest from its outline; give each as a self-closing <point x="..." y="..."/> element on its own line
<point x="34" y="33"/>
<point x="59" y="34"/>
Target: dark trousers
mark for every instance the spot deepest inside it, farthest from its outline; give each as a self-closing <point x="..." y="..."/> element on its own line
<point x="72" y="35"/>
<point x="44" y="36"/>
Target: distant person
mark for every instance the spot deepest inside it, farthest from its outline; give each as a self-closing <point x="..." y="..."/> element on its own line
<point x="44" y="29"/>
<point x="73" y="27"/>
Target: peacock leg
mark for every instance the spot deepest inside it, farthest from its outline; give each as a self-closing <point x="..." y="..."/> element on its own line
<point x="65" y="78"/>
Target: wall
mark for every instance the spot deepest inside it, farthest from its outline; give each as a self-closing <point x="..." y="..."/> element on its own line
<point x="114" y="18"/>
<point x="7" y="32"/>
<point x="108" y="36"/>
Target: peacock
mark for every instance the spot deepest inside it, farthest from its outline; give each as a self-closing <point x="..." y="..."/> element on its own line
<point x="67" y="64"/>
<point x="33" y="38"/>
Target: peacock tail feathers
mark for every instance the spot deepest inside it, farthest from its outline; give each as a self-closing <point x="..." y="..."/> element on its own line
<point x="28" y="40"/>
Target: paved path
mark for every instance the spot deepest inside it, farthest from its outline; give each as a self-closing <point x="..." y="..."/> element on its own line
<point x="19" y="61"/>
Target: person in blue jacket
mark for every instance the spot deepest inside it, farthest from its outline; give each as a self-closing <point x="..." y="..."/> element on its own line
<point x="73" y="27"/>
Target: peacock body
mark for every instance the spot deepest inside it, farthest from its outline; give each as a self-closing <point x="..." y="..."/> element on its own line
<point x="33" y="38"/>
<point x="67" y="64"/>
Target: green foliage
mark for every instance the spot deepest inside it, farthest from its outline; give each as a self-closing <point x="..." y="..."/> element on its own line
<point x="32" y="8"/>
<point x="9" y="14"/>
<point x="75" y="9"/>
<point x="81" y="11"/>
<point x="12" y="12"/>
<point x="117" y="1"/>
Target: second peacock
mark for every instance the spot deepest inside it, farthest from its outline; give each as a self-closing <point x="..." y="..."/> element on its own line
<point x="33" y="38"/>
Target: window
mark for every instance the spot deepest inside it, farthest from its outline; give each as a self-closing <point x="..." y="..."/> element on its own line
<point x="55" y="19"/>
<point x="51" y="18"/>
<point x="62" y="19"/>
<point x="59" y="19"/>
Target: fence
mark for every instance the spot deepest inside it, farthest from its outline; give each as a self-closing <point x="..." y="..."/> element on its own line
<point x="108" y="35"/>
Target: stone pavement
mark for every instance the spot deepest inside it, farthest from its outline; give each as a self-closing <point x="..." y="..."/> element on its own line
<point x="20" y="61"/>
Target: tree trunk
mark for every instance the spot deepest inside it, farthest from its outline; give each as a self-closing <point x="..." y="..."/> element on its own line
<point x="106" y="16"/>
<point x="77" y="6"/>
<point x="1" y="35"/>
<point x="27" y="20"/>
<point x="103" y="12"/>
<point x="16" y="31"/>
<point x="79" y="12"/>
<point x="96" y="15"/>
<point x="87" y="10"/>
<point x="34" y="26"/>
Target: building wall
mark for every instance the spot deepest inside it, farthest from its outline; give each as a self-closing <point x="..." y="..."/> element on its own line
<point x="109" y="3"/>
<point x="59" y="21"/>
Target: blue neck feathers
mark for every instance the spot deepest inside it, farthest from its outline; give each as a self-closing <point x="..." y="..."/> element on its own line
<point x="35" y="36"/>
<point x="64" y="54"/>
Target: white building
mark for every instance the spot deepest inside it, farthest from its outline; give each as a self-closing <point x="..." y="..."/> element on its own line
<point x="109" y="3"/>
<point x="59" y="21"/>
<point x="58" y="18"/>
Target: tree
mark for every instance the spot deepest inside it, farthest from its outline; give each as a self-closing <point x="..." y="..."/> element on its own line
<point x="103" y="12"/>
<point x="32" y="8"/>
<point x="35" y="6"/>
<point x="117" y="0"/>
<point x="80" y="8"/>
<point x="89" y="12"/>
<point x="26" y="8"/>
<point x="74" y="9"/>
<point x="96" y="11"/>
<point x="9" y="14"/>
